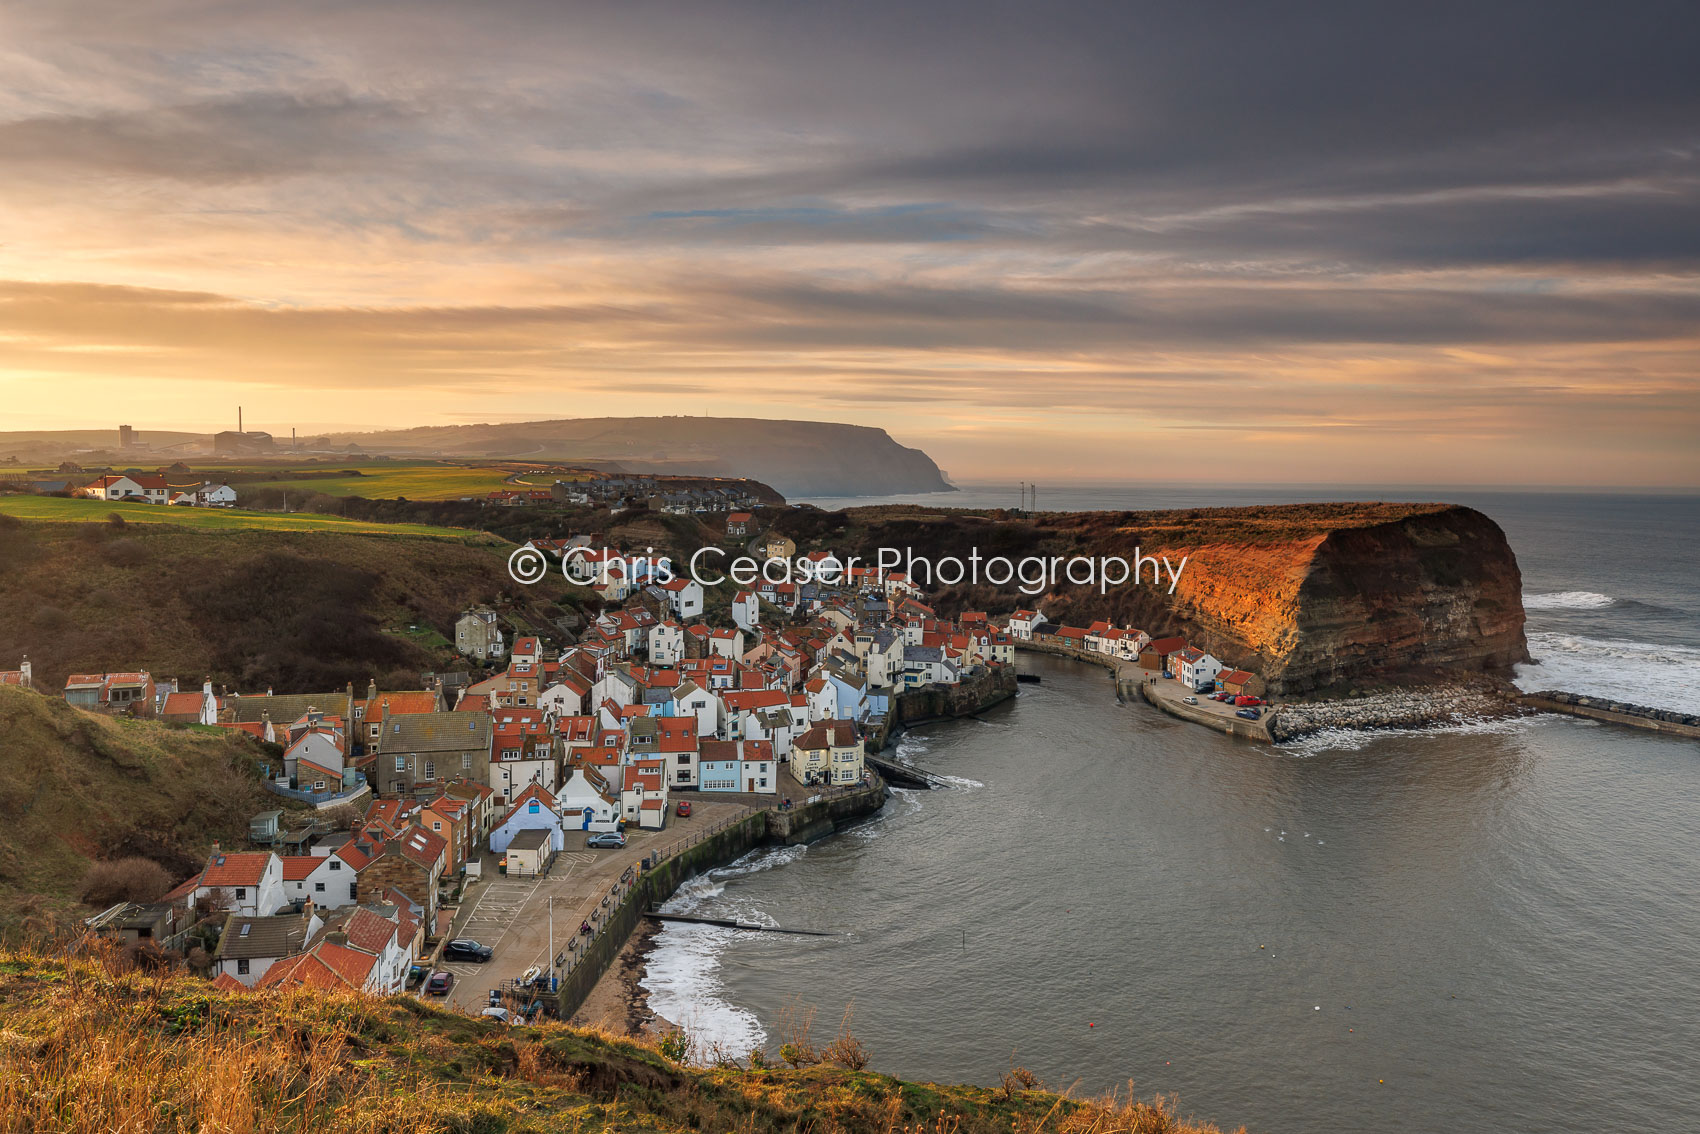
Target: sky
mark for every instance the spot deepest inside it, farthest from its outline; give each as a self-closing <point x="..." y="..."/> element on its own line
<point x="1328" y="243"/>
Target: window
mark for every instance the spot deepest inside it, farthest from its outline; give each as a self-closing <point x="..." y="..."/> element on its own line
<point x="535" y="808"/>
<point x="465" y="761"/>
<point x="430" y="769"/>
<point x="336" y="864"/>
<point x="318" y="887"/>
<point x="242" y="967"/>
<point x="401" y="763"/>
<point x="353" y="890"/>
<point x="241" y="893"/>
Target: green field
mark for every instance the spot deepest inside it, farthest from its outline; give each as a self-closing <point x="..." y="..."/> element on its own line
<point x="54" y="509"/>
<point x="414" y="480"/>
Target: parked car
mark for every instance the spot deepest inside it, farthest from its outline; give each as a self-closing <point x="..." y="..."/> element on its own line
<point x="1248" y="714"/>
<point x="684" y="808"/>
<point x="467" y="951"/>
<point x="612" y="840"/>
<point x="1189" y="700"/>
<point x="439" y="984"/>
<point x="1247" y="700"/>
<point x="503" y="1015"/>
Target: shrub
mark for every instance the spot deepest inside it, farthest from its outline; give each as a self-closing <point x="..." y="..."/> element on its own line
<point x="133" y="879"/>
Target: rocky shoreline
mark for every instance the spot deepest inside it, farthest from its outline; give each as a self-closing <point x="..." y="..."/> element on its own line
<point x="619" y="1003"/>
<point x="1420" y="707"/>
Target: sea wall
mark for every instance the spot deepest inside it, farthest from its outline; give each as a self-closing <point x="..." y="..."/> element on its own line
<point x="663" y="876"/>
<point x="1422" y="707"/>
<point x="992" y="685"/>
<point x="1616" y="712"/>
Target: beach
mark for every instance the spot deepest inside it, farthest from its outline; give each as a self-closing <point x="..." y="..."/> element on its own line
<point x="619" y="1003"/>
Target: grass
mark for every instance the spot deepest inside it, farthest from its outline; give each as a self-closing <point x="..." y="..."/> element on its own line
<point x="55" y="509"/>
<point x="414" y="480"/>
<point x="88" y="1042"/>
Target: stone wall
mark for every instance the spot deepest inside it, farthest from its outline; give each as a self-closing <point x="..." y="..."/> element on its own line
<point x="992" y="685"/>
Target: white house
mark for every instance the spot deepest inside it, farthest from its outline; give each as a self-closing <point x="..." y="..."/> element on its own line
<point x="666" y="643"/>
<point x="746" y="611"/>
<point x="250" y="946"/>
<point x="248" y="883"/>
<point x="1195" y="668"/>
<point x="590" y="799"/>
<point x="823" y="699"/>
<point x="533" y="810"/>
<point x="684" y="596"/>
<point x="330" y="881"/>
<point x="1022" y="624"/>
<point x="565" y="698"/>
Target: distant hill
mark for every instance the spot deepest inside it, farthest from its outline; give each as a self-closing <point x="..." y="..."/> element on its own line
<point x="799" y="458"/>
<point x="300" y="611"/>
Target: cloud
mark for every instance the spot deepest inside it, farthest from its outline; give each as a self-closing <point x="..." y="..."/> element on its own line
<point x="1420" y="221"/>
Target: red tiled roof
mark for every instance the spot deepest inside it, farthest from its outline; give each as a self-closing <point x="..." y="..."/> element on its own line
<point x="241" y="869"/>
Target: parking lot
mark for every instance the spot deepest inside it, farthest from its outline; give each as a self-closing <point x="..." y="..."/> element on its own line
<point x="513" y="916"/>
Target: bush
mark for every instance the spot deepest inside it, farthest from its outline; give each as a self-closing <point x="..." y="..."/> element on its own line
<point x="117" y="880"/>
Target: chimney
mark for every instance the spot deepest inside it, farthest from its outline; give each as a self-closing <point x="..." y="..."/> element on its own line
<point x="337" y="937"/>
<point x="206" y="686"/>
<point x="371" y="691"/>
<point x="25" y="667"/>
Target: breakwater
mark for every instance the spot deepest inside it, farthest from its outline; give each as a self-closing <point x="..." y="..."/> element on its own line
<point x="1614" y="712"/>
<point x="661" y="876"/>
<point x="1422" y="707"/>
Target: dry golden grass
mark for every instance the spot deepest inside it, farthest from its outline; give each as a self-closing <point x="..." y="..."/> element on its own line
<point x="89" y="1045"/>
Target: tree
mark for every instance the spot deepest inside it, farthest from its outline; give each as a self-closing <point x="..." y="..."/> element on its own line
<point x="133" y="879"/>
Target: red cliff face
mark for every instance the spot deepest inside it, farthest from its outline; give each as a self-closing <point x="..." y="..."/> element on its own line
<point x="1308" y="595"/>
<point x="1434" y="589"/>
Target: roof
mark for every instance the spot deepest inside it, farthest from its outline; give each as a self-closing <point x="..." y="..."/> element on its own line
<point x="436" y="732"/>
<point x="533" y="838"/>
<point x="183" y="704"/>
<point x="280" y="935"/>
<point x="841" y="734"/>
<point x="1166" y="645"/>
<point x="287" y="707"/>
<point x="407" y="701"/>
<point x="243" y="869"/>
<point x="296" y="867"/>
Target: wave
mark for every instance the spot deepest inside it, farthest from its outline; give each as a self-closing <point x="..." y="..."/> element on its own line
<point x="1567" y="600"/>
<point x="768" y="858"/>
<point x="1643" y="673"/>
<point x="957" y="781"/>
<point x="1355" y="739"/>
<point x="682" y="977"/>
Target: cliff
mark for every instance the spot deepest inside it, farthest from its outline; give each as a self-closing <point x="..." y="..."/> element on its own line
<point x="798" y="458"/>
<point x="1309" y="595"/>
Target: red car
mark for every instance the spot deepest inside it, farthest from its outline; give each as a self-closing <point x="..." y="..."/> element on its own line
<point x="684" y="808"/>
<point x="439" y="984"/>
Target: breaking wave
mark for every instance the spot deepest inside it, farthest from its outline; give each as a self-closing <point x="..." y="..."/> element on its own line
<point x="1355" y="739"/>
<point x="1641" y="673"/>
<point x="1567" y="600"/>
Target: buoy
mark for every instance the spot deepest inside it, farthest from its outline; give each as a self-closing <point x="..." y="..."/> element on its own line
<point x="1091" y="1025"/>
<point x="1319" y="1008"/>
<point x="1263" y="946"/>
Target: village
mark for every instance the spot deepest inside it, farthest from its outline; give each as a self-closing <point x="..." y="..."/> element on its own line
<point x="467" y="839"/>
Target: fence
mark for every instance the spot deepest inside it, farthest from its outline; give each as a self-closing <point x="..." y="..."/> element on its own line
<point x="322" y="798"/>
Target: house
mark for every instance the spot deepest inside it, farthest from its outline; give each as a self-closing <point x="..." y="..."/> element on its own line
<point x="249" y="946"/>
<point x="746" y="611"/>
<point x="330" y="880"/>
<point x="780" y="547"/>
<point x="22" y="676"/>
<point x="131" y="693"/>
<point x="684" y="596"/>
<point x="1195" y="669"/>
<point x="144" y="487"/>
<point x="530" y="851"/>
<point x="1022" y="624"/>
<point x="677" y="744"/>
<point x="527" y="650"/>
<point x="522" y="752"/>
<point x="739" y="524"/>
<point x="1239" y="682"/>
<point x="366" y="949"/>
<point x="590" y="798"/>
<point x="478" y="634"/>
<point x="1156" y="654"/>
<point x="533" y="810"/>
<point x="738" y="766"/>
<point x="424" y="748"/>
<point x="666" y="643"/>
<point x="828" y="754"/>
<point x="199" y="707"/>
<point x="412" y="863"/>
<point x="248" y="883"/>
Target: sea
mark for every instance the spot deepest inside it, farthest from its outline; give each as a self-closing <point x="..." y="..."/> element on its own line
<point x="1489" y="926"/>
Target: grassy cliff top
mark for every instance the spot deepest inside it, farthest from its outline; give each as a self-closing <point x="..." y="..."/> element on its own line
<point x="85" y="1045"/>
